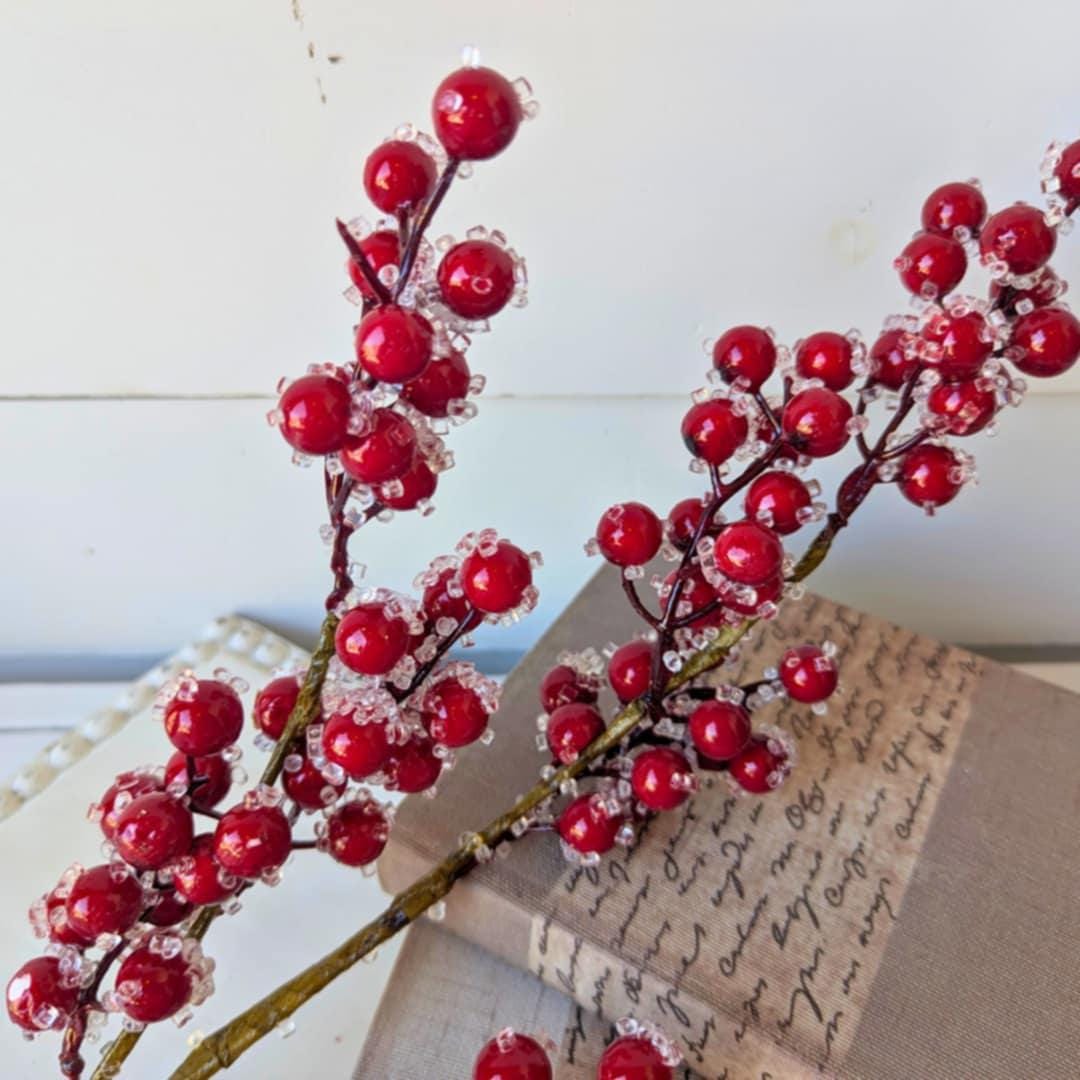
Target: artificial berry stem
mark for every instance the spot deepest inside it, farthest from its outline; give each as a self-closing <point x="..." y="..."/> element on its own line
<point x="356" y="253"/>
<point x="430" y="207"/>
<point x="637" y="604"/>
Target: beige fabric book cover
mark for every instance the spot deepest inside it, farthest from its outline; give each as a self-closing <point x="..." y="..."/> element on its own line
<point x="904" y="907"/>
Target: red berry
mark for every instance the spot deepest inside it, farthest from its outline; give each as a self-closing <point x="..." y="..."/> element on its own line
<point x="587" y="827"/>
<point x="315" y="413"/>
<point x="633" y="1057"/>
<point x="630" y="670"/>
<point x="213" y="773"/>
<point x="356" y="832"/>
<point x="205" y="721"/>
<point x="439" y="603"/>
<point x="757" y="768"/>
<point x="562" y="685"/>
<point x="444" y="380"/>
<point x="104" y="900"/>
<point x="964" y="343"/>
<point x="1050" y="340"/>
<point x="398" y="175"/>
<point x="571" y="728"/>
<point x="381" y="248"/>
<point x="932" y="266"/>
<point x="476" y="278"/>
<point x="413" y="767"/>
<point x="512" y="1057"/>
<point x="963" y="407"/>
<point x="808" y="674"/>
<point x="816" y="421"/>
<point x="1045" y="291"/>
<point x="308" y="788"/>
<point x="250" y="841"/>
<point x="746" y="355"/>
<point x="496" y="582"/>
<point x="38" y="998"/>
<point x="150" y="987"/>
<point x="826" y="356"/>
<point x="169" y="909"/>
<point x="126" y="787"/>
<point x="1019" y="237"/>
<point x="712" y="430"/>
<point x="453" y="714"/>
<point x="696" y="592"/>
<point x="360" y="749"/>
<point x="393" y="345"/>
<point x="629" y="534"/>
<point x="369" y="640"/>
<point x="1068" y="174"/>
<point x="198" y="878"/>
<point x="57" y="925"/>
<point x="683" y="520"/>
<point x="719" y="729"/>
<point x="929" y="476"/>
<point x="767" y="592"/>
<point x="954" y="206"/>
<point x="411" y="488"/>
<point x="662" y="778"/>
<point x="749" y="553"/>
<point x="476" y="113"/>
<point x="153" y="830"/>
<point x="384" y="452"/>
<point x="892" y="366"/>
<point x="779" y="497"/>
<point x="274" y="704"/>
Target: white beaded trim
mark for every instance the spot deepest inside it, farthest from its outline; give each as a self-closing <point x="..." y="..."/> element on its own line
<point x="228" y="636"/>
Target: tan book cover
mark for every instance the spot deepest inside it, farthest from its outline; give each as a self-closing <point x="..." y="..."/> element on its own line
<point x="904" y="907"/>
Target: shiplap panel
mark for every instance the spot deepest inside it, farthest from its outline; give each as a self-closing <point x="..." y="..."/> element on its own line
<point x="170" y="174"/>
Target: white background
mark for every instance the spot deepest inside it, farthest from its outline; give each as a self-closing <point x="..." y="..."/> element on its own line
<point x="167" y="192"/>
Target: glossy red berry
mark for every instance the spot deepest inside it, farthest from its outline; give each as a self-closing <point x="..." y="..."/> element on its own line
<point x="745" y="355"/>
<point x="250" y="841"/>
<point x="816" y="421"/>
<point x="453" y="714"/>
<point x="562" y="685"/>
<point x="412" y="487"/>
<point x="1019" y="237"/>
<point x="382" y="248"/>
<point x="587" y="827"/>
<point x="476" y="113"/>
<point x="496" y="582"/>
<point x="383" y="452"/>
<point x="696" y="594"/>
<point x="205" y="721"/>
<point x="393" y="345"/>
<point x="169" y="910"/>
<point x="150" y="987"/>
<point x="476" y="279"/>
<point x="274" y="704"/>
<point x="713" y="430"/>
<point x="630" y="670"/>
<point x="308" y="788"/>
<point x="315" y="413"/>
<point x="758" y="767"/>
<point x="369" y="640"/>
<point x="749" y="553"/>
<point x="510" y="1056"/>
<point x="891" y="363"/>
<point x="444" y="380"/>
<point x="356" y="832"/>
<point x="954" y="206"/>
<point x="931" y="266"/>
<point x="440" y="601"/>
<point x="683" y="520"/>
<point x="153" y="830"/>
<point x="963" y="344"/>
<point x="104" y="900"/>
<point x="662" y="778"/>
<point x="56" y="925"/>
<point x="1049" y="342"/>
<point x="629" y="534"/>
<point x="126" y="787"/>
<point x="413" y="767"/>
<point x="398" y="175"/>
<point x="38" y="997"/>
<point x="961" y="408"/>
<point x="360" y="749"/>
<point x="199" y="878"/>
<point x="930" y="476"/>
<point x="212" y="773"/>
<point x="633" y="1057"/>
<point x="719" y="729"/>
<point x="826" y="356"/>
<point x="1045" y="291"/>
<point x="571" y="728"/>
<point x="777" y="500"/>
<point x="768" y="592"/>
<point x="1067" y="173"/>
<point x="808" y="674"/>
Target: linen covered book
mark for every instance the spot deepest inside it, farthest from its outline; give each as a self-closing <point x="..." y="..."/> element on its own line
<point x="904" y="907"/>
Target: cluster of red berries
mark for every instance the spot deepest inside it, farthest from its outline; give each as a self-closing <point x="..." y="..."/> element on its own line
<point x="639" y="1051"/>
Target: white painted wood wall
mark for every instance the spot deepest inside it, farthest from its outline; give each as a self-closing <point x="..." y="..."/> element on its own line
<point x="167" y="192"/>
